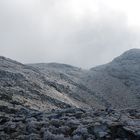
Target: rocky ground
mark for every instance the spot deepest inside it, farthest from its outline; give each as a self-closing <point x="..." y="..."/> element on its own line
<point x="69" y="124"/>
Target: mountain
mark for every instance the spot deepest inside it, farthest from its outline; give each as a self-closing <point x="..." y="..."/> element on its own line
<point x="58" y="101"/>
<point x="114" y="84"/>
<point x="68" y="81"/>
<point x="41" y="89"/>
<point x="118" y="82"/>
<point x="49" y="86"/>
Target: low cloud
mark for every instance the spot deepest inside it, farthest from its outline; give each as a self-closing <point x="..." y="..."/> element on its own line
<point x="51" y="31"/>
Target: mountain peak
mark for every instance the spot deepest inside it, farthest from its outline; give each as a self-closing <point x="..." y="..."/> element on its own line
<point x="2" y="58"/>
<point x="132" y="54"/>
<point x="5" y="60"/>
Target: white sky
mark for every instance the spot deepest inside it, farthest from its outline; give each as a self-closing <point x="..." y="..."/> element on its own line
<point x="83" y="33"/>
<point x="81" y="8"/>
<point x="130" y="8"/>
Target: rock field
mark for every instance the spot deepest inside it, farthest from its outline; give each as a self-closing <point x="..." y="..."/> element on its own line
<point x="70" y="124"/>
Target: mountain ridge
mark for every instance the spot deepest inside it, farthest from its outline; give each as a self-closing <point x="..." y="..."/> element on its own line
<point x="62" y="102"/>
<point x="57" y="84"/>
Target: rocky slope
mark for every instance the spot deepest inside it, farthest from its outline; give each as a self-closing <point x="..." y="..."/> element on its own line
<point x="48" y="86"/>
<point x="22" y="85"/>
<point x="118" y="82"/>
<point x="69" y="82"/>
<point x="115" y="84"/>
<point x="58" y="101"/>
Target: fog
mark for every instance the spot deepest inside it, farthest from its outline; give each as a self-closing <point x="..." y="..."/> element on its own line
<point x="83" y="33"/>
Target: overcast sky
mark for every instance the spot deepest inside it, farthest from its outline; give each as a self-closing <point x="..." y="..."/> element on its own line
<point x="84" y="33"/>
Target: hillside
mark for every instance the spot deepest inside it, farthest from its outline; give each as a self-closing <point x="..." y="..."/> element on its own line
<point x="27" y="86"/>
<point x="114" y="84"/>
<point x="58" y="101"/>
<point x="47" y="86"/>
<point x="118" y="82"/>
